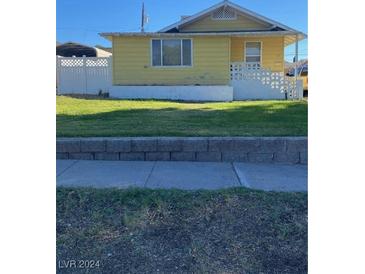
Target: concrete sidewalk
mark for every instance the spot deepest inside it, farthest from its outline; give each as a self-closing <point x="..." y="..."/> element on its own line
<point x="182" y="175"/>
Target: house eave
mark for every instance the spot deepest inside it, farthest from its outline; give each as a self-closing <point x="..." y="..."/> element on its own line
<point x="289" y="36"/>
<point x="185" y="34"/>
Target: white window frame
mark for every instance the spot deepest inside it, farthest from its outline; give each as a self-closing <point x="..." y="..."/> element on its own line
<point x="244" y="53"/>
<point x="181" y="45"/>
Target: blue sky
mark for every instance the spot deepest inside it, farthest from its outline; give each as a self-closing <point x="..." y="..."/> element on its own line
<point x="82" y="20"/>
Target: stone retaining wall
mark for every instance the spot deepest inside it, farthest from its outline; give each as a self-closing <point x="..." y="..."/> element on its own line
<point x="204" y="149"/>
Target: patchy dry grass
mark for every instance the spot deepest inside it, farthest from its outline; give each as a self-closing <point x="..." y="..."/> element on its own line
<point x="172" y="231"/>
<point x="90" y="117"/>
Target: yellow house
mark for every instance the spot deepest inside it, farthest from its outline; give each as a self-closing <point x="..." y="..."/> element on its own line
<point x="223" y="53"/>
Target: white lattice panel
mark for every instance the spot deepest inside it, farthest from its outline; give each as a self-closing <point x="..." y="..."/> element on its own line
<point x="71" y="62"/>
<point x="224" y="13"/>
<point x="97" y="62"/>
<point x="258" y="80"/>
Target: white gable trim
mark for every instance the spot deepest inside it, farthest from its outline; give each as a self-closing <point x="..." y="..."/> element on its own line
<point x="234" y="6"/>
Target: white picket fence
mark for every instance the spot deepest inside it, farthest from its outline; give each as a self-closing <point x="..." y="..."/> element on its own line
<point x="251" y="81"/>
<point x="84" y="75"/>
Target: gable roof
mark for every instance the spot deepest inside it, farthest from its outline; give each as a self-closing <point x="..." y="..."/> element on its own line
<point x="253" y="15"/>
<point x="274" y="28"/>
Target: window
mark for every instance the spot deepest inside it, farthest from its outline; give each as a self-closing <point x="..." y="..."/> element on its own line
<point x="171" y="52"/>
<point x="253" y="52"/>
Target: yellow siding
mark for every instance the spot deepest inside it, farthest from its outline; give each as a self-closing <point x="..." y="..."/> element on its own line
<point x="132" y="63"/>
<point x="272" y="51"/>
<point x="241" y="23"/>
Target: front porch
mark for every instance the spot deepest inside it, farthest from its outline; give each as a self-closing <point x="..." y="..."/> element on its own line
<point x="257" y="69"/>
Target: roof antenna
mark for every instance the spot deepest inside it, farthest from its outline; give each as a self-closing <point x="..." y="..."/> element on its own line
<point x="145" y="18"/>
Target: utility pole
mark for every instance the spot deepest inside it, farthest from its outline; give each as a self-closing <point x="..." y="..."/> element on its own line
<point x="143" y="18"/>
<point x="296" y="57"/>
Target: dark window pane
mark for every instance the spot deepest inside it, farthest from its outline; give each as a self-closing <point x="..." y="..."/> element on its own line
<point x="156" y="52"/>
<point x="171" y="52"/>
<point x="253" y="59"/>
<point x="187" y="52"/>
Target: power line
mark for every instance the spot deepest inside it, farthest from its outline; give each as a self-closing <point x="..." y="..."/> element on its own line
<point x="97" y="30"/>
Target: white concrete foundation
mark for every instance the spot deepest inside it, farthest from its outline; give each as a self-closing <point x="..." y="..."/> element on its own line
<point x="185" y="93"/>
<point x="254" y="90"/>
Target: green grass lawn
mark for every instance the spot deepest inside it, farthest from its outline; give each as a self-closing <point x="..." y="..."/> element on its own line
<point x="172" y="231"/>
<point x="105" y="117"/>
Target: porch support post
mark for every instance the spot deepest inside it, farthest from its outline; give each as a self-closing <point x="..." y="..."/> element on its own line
<point x="296" y="57"/>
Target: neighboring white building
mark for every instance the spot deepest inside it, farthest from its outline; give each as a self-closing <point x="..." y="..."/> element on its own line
<point x="70" y="49"/>
<point x="102" y="53"/>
